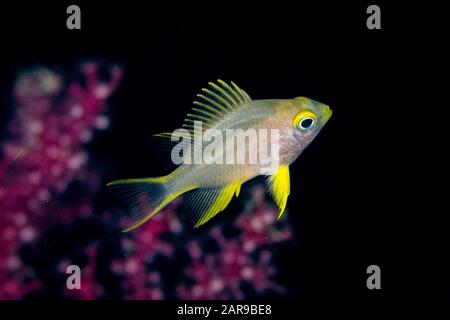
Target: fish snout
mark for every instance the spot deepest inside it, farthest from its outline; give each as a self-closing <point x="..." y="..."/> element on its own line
<point x="326" y="114"/>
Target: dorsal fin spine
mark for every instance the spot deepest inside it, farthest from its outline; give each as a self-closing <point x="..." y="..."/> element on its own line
<point x="243" y="94"/>
<point x="192" y="117"/>
<point x="233" y="92"/>
<point x="213" y="102"/>
<point x="246" y="95"/>
<point x="208" y="108"/>
<point x="231" y="101"/>
<point x="206" y="113"/>
<point x="219" y="98"/>
<point x="240" y="91"/>
<point x="217" y="103"/>
<point x="192" y="126"/>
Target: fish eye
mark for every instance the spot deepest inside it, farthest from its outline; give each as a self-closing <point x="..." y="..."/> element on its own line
<point x="304" y="121"/>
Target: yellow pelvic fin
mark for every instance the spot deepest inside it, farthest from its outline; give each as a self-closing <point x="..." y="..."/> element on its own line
<point x="279" y="184"/>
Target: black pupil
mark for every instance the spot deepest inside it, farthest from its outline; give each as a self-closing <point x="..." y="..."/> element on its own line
<point x="306" y="123"/>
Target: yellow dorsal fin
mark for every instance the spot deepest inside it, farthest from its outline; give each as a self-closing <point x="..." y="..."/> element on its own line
<point x="215" y="103"/>
<point x="279" y="184"/>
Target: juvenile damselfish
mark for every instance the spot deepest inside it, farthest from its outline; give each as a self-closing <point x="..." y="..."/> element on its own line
<point x="210" y="184"/>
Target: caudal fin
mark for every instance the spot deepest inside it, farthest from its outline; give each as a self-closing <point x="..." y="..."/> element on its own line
<point x="146" y="197"/>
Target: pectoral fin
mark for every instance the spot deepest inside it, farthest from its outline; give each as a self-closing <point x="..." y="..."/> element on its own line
<point x="279" y="184"/>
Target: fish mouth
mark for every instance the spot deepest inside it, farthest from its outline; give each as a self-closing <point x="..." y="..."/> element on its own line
<point x="327" y="112"/>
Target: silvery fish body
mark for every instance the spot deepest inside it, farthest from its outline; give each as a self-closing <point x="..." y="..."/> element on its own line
<point x="227" y="140"/>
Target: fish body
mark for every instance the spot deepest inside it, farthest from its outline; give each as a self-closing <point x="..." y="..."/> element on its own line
<point x="225" y="124"/>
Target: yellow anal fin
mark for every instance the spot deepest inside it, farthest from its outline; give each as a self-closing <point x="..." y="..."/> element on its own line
<point x="238" y="190"/>
<point x="279" y="184"/>
<point x="209" y="202"/>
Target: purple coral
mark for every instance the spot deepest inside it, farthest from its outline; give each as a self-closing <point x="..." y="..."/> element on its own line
<point x="43" y="155"/>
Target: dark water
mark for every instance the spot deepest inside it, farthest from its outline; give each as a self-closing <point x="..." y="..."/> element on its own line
<point x="343" y="215"/>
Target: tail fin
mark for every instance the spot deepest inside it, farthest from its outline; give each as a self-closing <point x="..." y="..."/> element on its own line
<point x="145" y="196"/>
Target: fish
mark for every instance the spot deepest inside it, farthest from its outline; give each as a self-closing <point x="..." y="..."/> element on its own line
<point x="210" y="183"/>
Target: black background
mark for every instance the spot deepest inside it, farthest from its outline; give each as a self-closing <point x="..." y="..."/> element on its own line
<point x="344" y="205"/>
